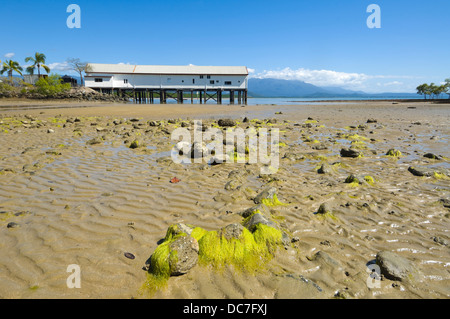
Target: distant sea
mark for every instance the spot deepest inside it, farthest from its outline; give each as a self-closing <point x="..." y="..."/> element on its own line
<point x="293" y="100"/>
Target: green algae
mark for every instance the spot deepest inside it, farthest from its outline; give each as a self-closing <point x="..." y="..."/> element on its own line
<point x="369" y="180"/>
<point x="274" y="201"/>
<point x="394" y="153"/>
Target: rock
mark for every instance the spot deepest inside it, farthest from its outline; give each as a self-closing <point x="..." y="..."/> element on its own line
<point x="432" y="156"/>
<point x="152" y="123"/>
<point x="440" y="241"/>
<point x="255" y="219"/>
<point x="319" y="147"/>
<point x="394" y="267"/>
<point x="232" y="184"/>
<point x="267" y="193"/>
<point x="232" y="231"/>
<point x="372" y="120"/>
<point x="134" y="144"/>
<point x="50" y="130"/>
<point x="186" y="248"/>
<point x="445" y="202"/>
<point x="94" y="141"/>
<point x="226" y="122"/>
<point x="263" y="209"/>
<point x="421" y="171"/>
<point x="324" y="208"/>
<point x="325" y="168"/>
<point x="349" y="152"/>
<point x="325" y="259"/>
<point x="100" y="129"/>
<point x="12" y="225"/>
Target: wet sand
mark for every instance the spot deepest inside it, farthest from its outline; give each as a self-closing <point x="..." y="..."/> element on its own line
<point x="69" y="202"/>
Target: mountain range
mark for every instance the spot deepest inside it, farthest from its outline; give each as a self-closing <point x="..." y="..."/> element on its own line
<point x="298" y="89"/>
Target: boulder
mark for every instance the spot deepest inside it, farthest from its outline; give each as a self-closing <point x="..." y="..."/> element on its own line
<point x="226" y="122"/>
<point x="394" y="267"/>
<point x="186" y="248"/>
<point x="349" y="152"/>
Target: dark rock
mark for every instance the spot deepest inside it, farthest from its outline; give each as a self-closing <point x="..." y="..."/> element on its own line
<point x="445" y="202"/>
<point x="421" y="171"/>
<point x="432" y="156"/>
<point x="372" y="120"/>
<point x="226" y="122"/>
<point x="12" y="225"/>
<point x="324" y="209"/>
<point x="348" y="152"/>
<point x="440" y="241"/>
<point x="94" y="141"/>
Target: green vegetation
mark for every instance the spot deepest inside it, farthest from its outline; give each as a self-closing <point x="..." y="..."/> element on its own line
<point x="51" y="86"/>
<point x="434" y="91"/>
<point x="38" y="62"/>
<point x="11" y="66"/>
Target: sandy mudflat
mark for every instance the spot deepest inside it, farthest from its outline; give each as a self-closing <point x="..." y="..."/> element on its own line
<point x="69" y="202"/>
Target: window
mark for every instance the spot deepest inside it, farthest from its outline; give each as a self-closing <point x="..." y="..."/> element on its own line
<point x="201" y="76"/>
<point x="182" y="81"/>
<point x="227" y="82"/>
<point x="211" y="82"/>
<point x="208" y="76"/>
<point x="125" y="81"/>
<point x="217" y="81"/>
<point x="98" y="80"/>
<point x="193" y="81"/>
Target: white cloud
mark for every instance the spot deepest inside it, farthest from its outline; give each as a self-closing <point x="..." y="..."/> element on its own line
<point x="316" y="77"/>
<point x="347" y="80"/>
<point x="59" y="66"/>
<point x="250" y="70"/>
<point x="9" y="55"/>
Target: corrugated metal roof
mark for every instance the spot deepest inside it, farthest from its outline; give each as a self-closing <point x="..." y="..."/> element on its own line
<point x="167" y="69"/>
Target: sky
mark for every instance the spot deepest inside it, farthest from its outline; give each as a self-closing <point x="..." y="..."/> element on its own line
<point x="322" y="42"/>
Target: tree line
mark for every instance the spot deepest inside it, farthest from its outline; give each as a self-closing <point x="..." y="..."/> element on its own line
<point x="434" y="91"/>
<point x="38" y="62"/>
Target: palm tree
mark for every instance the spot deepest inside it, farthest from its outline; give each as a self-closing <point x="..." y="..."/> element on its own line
<point x="38" y="61"/>
<point x="10" y="66"/>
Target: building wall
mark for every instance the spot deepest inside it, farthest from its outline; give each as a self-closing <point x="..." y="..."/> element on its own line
<point x="187" y="82"/>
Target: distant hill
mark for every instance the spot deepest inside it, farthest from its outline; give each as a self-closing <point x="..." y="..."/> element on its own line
<point x="300" y="89"/>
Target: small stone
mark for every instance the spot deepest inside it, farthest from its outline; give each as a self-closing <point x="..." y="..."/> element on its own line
<point x="129" y="255"/>
<point x="372" y="120"/>
<point x="12" y="225"/>
<point x="50" y="130"/>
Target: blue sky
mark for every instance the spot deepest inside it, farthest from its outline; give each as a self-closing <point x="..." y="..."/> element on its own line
<point x="324" y="42"/>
